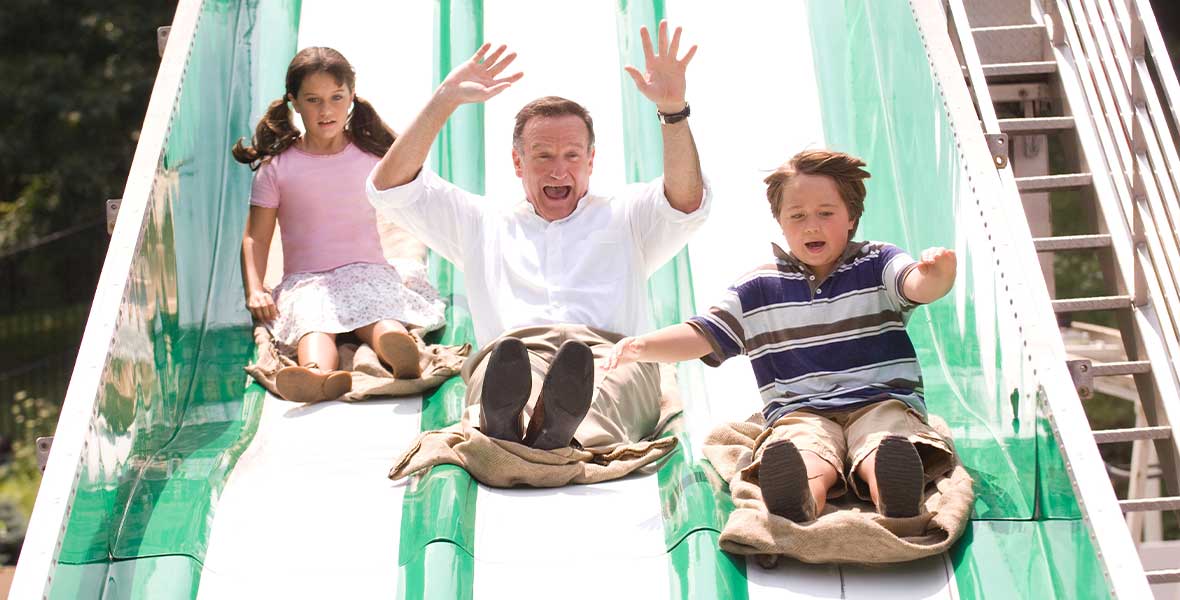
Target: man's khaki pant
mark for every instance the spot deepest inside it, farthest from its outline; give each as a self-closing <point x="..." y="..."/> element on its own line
<point x="626" y="404"/>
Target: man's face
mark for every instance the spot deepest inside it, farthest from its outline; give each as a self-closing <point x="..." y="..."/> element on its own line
<point x="554" y="164"/>
<point x="815" y="221"/>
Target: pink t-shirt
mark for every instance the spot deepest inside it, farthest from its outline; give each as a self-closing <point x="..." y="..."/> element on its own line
<point x="325" y="217"/>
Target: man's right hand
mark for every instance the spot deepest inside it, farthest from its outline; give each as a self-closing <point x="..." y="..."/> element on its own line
<point x="261" y="305"/>
<point x="477" y="80"/>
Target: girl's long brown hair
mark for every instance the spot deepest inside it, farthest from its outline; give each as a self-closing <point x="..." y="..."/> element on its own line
<point x="275" y="132"/>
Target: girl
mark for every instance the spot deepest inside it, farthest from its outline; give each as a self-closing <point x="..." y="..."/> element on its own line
<point x="335" y="277"/>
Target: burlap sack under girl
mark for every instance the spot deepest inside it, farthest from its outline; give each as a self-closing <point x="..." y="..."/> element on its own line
<point x="849" y="530"/>
<point x="498" y="463"/>
<point x="370" y="378"/>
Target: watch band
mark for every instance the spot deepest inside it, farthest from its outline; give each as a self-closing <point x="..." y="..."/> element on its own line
<point x="676" y="117"/>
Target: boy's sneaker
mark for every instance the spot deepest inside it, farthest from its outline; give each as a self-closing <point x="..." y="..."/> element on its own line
<point x="900" y="482"/>
<point x="783" y="479"/>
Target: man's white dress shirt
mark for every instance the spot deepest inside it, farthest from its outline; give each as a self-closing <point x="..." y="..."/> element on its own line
<point x="589" y="268"/>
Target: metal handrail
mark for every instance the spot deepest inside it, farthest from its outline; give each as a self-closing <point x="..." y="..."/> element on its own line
<point x="1159" y="55"/>
<point x="983" y="101"/>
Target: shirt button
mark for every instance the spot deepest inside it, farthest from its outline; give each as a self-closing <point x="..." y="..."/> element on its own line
<point x="818" y="291"/>
<point x="812" y="277"/>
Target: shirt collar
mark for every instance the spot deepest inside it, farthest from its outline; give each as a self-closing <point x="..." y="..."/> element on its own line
<point x="851" y="250"/>
<point x="524" y="207"/>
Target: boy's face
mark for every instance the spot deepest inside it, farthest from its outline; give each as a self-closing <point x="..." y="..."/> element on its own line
<point x="815" y="221"/>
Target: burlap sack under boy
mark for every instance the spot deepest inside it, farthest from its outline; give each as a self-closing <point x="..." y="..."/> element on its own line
<point x="849" y="530"/>
<point x="370" y="378"/>
<point x="498" y="463"/>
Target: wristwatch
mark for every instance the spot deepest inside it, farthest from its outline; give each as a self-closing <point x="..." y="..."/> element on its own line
<point x="676" y="117"/>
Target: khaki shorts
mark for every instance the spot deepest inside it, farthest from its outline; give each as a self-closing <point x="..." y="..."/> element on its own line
<point x="845" y="438"/>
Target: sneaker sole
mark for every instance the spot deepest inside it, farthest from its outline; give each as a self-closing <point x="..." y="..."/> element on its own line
<point x="899" y="478"/>
<point x="782" y="477"/>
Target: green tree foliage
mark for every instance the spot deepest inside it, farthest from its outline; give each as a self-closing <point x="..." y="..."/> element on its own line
<point x="77" y="75"/>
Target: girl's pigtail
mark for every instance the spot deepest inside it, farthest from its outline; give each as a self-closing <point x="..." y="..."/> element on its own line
<point x="367" y="130"/>
<point x="272" y="136"/>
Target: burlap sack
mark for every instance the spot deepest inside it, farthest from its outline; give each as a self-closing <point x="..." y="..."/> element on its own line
<point x="370" y="378"/>
<point x="849" y="530"/>
<point x="498" y="463"/>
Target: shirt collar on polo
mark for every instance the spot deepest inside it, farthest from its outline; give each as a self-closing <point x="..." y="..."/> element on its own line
<point x="851" y="250"/>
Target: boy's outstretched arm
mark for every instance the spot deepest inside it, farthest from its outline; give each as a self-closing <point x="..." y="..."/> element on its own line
<point x="933" y="277"/>
<point x="476" y="80"/>
<point x="670" y="344"/>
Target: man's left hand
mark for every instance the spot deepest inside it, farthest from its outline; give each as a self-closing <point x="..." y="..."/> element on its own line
<point x="664" y="82"/>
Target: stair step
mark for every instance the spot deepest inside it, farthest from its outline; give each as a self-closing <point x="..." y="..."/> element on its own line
<point x="1036" y="125"/>
<point x="1020" y="69"/>
<point x="1130" y="367"/>
<point x="1047" y="183"/>
<point x="1150" y="504"/>
<point x="1071" y="242"/>
<point x="1010" y="43"/>
<point x="1163" y="576"/>
<point x="1131" y="434"/>
<point x="1096" y="303"/>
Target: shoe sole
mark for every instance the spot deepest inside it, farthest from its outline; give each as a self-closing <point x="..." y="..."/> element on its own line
<point x="507" y="382"/>
<point x="336" y="384"/>
<point x="300" y="384"/>
<point x="899" y="478"/>
<point x="400" y="352"/>
<point x="782" y="477"/>
<point x="570" y="385"/>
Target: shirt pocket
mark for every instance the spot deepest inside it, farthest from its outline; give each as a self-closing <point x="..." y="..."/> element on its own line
<point x="601" y="262"/>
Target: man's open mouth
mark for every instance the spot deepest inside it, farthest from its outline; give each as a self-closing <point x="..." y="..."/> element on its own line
<point x="557" y="192"/>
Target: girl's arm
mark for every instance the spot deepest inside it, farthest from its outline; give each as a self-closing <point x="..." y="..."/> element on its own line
<point x="933" y="277"/>
<point x="670" y="344"/>
<point x="260" y="229"/>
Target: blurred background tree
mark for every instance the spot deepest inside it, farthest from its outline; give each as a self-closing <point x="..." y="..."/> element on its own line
<point x="77" y="75"/>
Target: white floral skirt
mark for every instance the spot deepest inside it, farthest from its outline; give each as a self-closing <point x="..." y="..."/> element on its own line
<point x="352" y="296"/>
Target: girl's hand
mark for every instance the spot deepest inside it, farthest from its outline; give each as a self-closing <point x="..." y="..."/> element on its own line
<point x="938" y="263"/>
<point x="262" y="305"/>
<point x="626" y="351"/>
<point x="478" y="79"/>
<point x="664" y="82"/>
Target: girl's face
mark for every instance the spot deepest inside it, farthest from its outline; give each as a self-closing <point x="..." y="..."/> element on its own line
<point x="323" y="105"/>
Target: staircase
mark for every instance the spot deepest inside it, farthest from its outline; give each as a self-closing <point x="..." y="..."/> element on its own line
<point x="1068" y="93"/>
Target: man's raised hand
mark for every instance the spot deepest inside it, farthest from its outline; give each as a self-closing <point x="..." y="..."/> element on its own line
<point x="479" y="79"/>
<point x="663" y="83"/>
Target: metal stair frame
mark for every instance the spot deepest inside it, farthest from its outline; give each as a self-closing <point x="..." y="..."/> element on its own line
<point x="1096" y="498"/>
<point x="1157" y="338"/>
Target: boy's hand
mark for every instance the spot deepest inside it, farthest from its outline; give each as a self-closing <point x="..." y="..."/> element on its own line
<point x="477" y="80"/>
<point x="664" y="82"/>
<point x="939" y="263"/>
<point x="626" y="351"/>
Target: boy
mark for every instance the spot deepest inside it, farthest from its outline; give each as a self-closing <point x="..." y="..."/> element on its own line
<point x="824" y="327"/>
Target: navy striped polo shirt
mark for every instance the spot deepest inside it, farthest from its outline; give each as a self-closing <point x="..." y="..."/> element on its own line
<point x="834" y="344"/>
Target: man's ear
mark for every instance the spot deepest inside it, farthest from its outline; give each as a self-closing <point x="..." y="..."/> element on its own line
<point x="518" y="163"/>
<point x="591" y="161"/>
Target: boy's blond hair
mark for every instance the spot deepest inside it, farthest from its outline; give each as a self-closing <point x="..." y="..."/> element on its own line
<point x="846" y="170"/>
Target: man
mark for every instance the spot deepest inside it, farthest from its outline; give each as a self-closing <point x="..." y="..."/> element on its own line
<point x="554" y="280"/>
